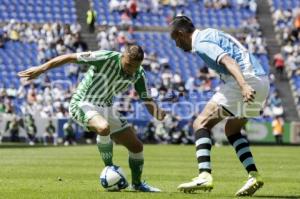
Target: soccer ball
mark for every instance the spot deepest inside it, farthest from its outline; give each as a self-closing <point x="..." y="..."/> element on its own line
<point x="112" y="178"/>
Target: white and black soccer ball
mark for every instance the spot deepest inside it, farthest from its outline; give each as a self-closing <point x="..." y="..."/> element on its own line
<point x="112" y="178"/>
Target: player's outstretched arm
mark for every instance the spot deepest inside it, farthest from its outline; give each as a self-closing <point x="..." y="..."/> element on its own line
<point x="34" y="72"/>
<point x="142" y="90"/>
<point x="232" y="66"/>
<point x="154" y="109"/>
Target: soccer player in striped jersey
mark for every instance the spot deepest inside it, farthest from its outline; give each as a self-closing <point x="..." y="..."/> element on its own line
<point x="242" y="96"/>
<point x="91" y="106"/>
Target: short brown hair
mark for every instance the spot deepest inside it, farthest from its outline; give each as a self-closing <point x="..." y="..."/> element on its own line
<point x="135" y="52"/>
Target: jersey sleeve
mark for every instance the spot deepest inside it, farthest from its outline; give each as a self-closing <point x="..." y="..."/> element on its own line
<point x="94" y="57"/>
<point x="211" y="50"/>
<point x="141" y="87"/>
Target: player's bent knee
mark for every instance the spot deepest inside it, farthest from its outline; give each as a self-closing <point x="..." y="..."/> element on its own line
<point x="103" y="129"/>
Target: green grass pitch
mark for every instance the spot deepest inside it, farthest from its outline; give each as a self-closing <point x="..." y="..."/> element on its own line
<point x="73" y="172"/>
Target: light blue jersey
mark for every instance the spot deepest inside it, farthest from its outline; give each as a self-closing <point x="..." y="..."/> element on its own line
<point x="211" y="45"/>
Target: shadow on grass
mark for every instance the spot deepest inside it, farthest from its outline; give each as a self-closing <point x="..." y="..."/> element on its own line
<point x="18" y="146"/>
<point x="279" y="197"/>
<point x="162" y="192"/>
<point x="27" y="146"/>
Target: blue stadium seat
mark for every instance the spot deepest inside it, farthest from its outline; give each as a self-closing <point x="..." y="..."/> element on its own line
<point x="38" y="11"/>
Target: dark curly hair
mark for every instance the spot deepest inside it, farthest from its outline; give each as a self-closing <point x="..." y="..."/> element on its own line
<point x="182" y="23"/>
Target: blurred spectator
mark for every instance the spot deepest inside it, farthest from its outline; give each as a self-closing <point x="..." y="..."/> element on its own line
<point x="278" y="16"/>
<point x="133" y="8"/>
<point x="176" y="80"/>
<point x="11" y="91"/>
<point x="114" y="5"/>
<point x="279" y="64"/>
<point x="150" y="133"/>
<point x="166" y="78"/>
<point x="276" y="104"/>
<point x="188" y="131"/>
<point x="79" y="44"/>
<point x="75" y="28"/>
<point x="69" y="133"/>
<point x="217" y="4"/>
<point x="277" y="125"/>
<point x="3" y="39"/>
<point x="161" y="133"/>
<point x="50" y="134"/>
<point x="89" y="137"/>
<point x="9" y="107"/>
<point x="31" y="94"/>
<point x="241" y="3"/>
<point x="125" y="18"/>
<point x="91" y="16"/>
<point x="206" y="86"/>
<point x="252" y="6"/>
<point x="190" y="84"/>
<point x="297" y="22"/>
<point x="2" y="106"/>
<point x="31" y="129"/>
<point x="251" y="25"/>
<point x="154" y="6"/>
<point x="13" y="127"/>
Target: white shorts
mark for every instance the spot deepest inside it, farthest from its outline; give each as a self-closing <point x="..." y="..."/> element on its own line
<point x="230" y="97"/>
<point x="86" y="111"/>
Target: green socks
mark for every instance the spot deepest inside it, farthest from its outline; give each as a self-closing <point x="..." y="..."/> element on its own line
<point x="136" y="163"/>
<point x="105" y="147"/>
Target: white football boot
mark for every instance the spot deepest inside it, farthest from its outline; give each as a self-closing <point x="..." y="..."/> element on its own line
<point x="203" y="182"/>
<point x="253" y="183"/>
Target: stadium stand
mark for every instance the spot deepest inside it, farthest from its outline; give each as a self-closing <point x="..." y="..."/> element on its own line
<point x="38" y="11"/>
<point x="286" y="16"/>
<point x="230" y="13"/>
<point x="29" y="45"/>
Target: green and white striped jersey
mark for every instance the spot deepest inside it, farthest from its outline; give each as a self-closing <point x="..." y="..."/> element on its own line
<point x="105" y="78"/>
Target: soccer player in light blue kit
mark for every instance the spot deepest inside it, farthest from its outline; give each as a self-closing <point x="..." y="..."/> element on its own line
<point x="242" y="96"/>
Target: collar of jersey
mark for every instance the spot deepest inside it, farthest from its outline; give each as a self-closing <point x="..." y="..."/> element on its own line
<point x="194" y="35"/>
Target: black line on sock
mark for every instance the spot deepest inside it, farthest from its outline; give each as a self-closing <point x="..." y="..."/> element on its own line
<point x="251" y="167"/>
<point x="234" y="137"/>
<point x="203" y="146"/>
<point x="207" y="170"/>
<point x="242" y="145"/>
<point x="245" y="156"/>
<point x="203" y="159"/>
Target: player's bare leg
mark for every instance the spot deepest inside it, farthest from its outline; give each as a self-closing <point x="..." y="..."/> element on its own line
<point x="210" y="116"/>
<point x="99" y="125"/>
<point x="128" y="138"/>
<point x="240" y="143"/>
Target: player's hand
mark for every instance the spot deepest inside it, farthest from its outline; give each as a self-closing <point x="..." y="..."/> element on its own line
<point x="31" y="73"/>
<point x="161" y="114"/>
<point x="248" y="93"/>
